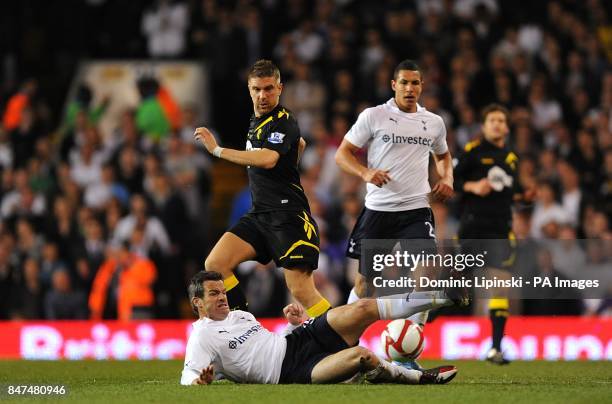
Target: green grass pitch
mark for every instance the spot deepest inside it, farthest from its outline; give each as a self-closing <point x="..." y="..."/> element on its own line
<point x="157" y="381"/>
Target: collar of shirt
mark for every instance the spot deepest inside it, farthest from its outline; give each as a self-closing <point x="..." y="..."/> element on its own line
<point x="207" y="320"/>
<point x="393" y="106"/>
<point x="277" y="108"/>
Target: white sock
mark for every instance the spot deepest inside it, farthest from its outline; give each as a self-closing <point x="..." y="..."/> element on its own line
<point x="352" y="297"/>
<point x="387" y="372"/>
<point x="406" y="305"/>
<point x="420" y="318"/>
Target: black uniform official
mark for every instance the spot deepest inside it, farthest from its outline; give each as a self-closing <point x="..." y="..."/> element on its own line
<point x="487" y="216"/>
<point x="279" y="226"/>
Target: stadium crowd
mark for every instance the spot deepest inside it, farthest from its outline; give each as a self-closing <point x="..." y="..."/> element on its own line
<point x="84" y="216"/>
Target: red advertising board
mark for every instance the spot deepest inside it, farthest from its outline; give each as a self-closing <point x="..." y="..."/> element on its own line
<point x="527" y="338"/>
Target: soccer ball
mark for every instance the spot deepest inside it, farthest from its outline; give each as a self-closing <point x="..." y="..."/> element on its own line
<point x="402" y="340"/>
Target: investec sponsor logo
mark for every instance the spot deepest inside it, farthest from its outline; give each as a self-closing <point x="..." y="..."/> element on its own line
<point x="399" y="139"/>
<point x="233" y="344"/>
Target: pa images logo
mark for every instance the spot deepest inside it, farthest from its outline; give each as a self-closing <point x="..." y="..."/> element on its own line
<point x="233" y="345"/>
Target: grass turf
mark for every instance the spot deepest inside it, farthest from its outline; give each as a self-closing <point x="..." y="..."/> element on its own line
<point x="157" y="381"/>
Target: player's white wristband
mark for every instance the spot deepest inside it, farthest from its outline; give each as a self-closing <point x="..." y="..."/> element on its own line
<point x="217" y="151"/>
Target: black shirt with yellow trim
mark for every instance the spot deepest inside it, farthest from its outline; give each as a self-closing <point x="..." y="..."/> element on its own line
<point x="278" y="188"/>
<point x="482" y="159"/>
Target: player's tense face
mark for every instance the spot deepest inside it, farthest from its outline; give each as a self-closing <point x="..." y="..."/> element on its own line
<point x="495" y="126"/>
<point x="407" y="87"/>
<point x="215" y="300"/>
<point x="265" y="93"/>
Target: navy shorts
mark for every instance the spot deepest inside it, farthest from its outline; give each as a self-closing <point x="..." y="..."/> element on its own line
<point x="415" y="224"/>
<point x="289" y="238"/>
<point x="307" y="345"/>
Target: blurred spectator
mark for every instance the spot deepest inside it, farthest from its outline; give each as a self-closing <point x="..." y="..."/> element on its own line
<point x="86" y="166"/>
<point x="89" y="253"/>
<point x="6" y="152"/>
<point x="552" y="300"/>
<point x="373" y="54"/>
<point x="546" y="110"/>
<point x="129" y="170"/>
<point x="307" y="42"/>
<point x="571" y="195"/>
<point x="596" y="225"/>
<point x="27" y="296"/>
<point x="171" y="210"/>
<point x="188" y="169"/>
<point x="18" y="108"/>
<point x="265" y="288"/>
<point x="82" y="104"/>
<point x="165" y="25"/>
<point x="49" y="264"/>
<point x="305" y="97"/>
<point x="123" y="286"/>
<point x="125" y="136"/>
<point x="189" y="124"/>
<point x="155" y="235"/>
<point x="568" y="253"/>
<point x="62" y="302"/>
<point x="24" y="136"/>
<point x="62" y="227"/>
<point x="157" y="114"/>
<point x="97" y="195"/>
<point x="29" y="243"/>
<point x="22" y="201"/>
<point x="469" y="127"/>
<point x="587" y="160"/>
<point x="547" y="211"/>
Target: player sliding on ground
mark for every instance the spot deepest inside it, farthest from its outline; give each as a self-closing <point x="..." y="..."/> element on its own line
<point x="321" y="350"/>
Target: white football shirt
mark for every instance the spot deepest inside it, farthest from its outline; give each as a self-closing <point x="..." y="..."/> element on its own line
<point x="239" y="347"/>
<point x="400" y="142"/>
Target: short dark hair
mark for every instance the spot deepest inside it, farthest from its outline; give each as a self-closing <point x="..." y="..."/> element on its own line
<point x="407" y="64"/>
<point x="196" y="285"/>
<point x="494" y="108"/>
<point x="264" y="68"/>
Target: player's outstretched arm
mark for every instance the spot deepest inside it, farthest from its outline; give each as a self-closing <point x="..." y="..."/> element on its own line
<point x="263" y="158"/>
<point x="346" y="160"/>
<point x="443" y="190"/>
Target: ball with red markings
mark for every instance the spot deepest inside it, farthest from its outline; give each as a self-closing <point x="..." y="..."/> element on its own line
<point x="402" y="340"/>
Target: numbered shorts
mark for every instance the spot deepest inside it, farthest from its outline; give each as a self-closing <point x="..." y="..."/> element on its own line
<point x="289" y="238"/>
<point x="307" y="345"/>
<point x="404" y="225"/>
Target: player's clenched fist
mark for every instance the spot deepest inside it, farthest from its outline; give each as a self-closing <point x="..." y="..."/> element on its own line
<point x="204" y="136"/>
<point x="206" y="376"/>
<point x="376" y="177"/>
<point x="294" y="314"/>
<point x="443" y="190"/>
